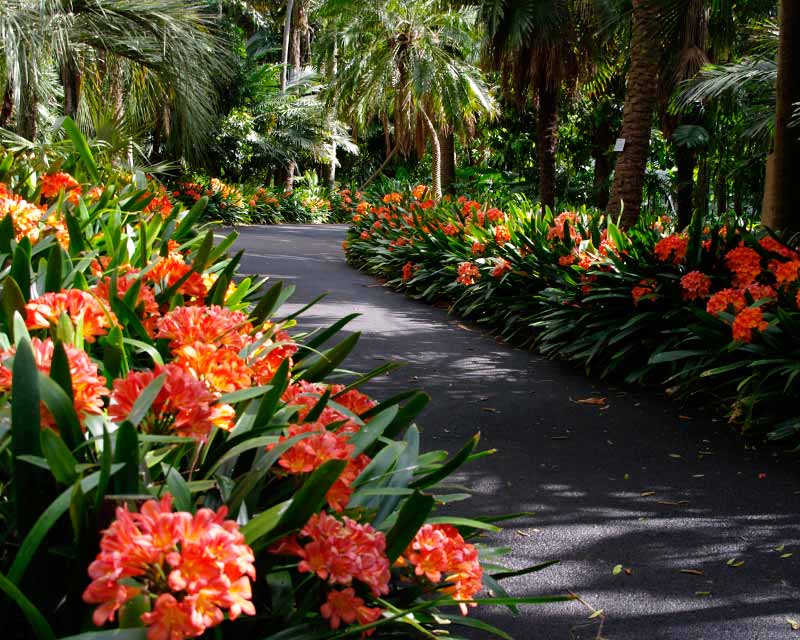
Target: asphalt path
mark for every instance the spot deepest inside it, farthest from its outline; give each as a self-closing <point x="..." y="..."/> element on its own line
<point x="661" y="517"/>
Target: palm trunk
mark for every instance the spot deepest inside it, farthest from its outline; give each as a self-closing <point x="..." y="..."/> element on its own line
<point x="436" y="157"/>
<point x="640" y="100"/>
<point x="290" y="170"/>
<point x="287" y="29"/>
<point x="71" y="81"/>
<point x="297" y="34"/>
<point x="387" y="136"/>
<point x="783" y="197"/>
<point x="448" y="170"/>
<point x="721" y="193"/>
<point x="26" y="114"/>
<point x="686" y="160"/>
<point x="8" y="105"/>
<point x="602" y="139"/>
<point x="701" y="192"/>
<point x="330" y="172"/>
<point x="546" y="139"/>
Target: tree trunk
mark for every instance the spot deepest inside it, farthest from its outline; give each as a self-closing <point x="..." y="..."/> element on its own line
<point x="640" y="100"/>
<point x="387" y="136"/>
<point x="290" y="170"/>
<point x="701" y="191"/>
<point x="8" y="105"/>
<point x="71" y="81"/>
<point x="156" y="155"/>
<point x="379" y="169"/>
<point x="436" y="160"/>
<point x="721" y="193"/>
<point x="297" y="35"/>
<point x="738" y="200"/>
<point x="686" y="160"/>
<point x="546" y="140"/>
<point x="330" y="170"/>
<point x="783" y="200"/>
<point x="602" y="139"/>
<point x="26" y="114"/>
<point x="287" y="29"/>
<point x="448" y="147"/>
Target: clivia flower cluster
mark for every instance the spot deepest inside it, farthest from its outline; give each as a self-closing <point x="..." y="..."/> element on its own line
<point x="192" y="569"/>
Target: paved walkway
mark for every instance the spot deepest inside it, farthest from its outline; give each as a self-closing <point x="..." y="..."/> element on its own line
<point x="633" y="482"/>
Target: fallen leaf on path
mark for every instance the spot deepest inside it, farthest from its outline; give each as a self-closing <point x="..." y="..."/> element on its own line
<point x="646" y="494"/>
<point x="702" y="594"/>
<point x="677" y="456"/>
<point x="733" y="562"/>
<point x="794" y="624"/>
<point x="489" y="409"/>
<point x="595" y="401"/>
<point x="781" y="548"/>
<point x="787" y="555"/>
<point x="628" y="572"/>
<point x="673" y="503"/>
<point x="616" y="570"/>
<point x="566" y="437"/>
<point x="596" y="614"/>
<point x="464" y="327"/>
<point x="684" y="418"/>
<point x="699" y="475"/>
<point x="693" y="572"/>
<point x="522" y="533"/>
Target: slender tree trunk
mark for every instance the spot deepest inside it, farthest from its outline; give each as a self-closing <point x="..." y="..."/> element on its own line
<point x="71" y="81"/>
<point x="387" y="136"/>
<point x="290" y="171"/>
<point x="297" y="35"/>
<point x="546" y="140"/>
<point x="26" y="114"/>
<point x="287" y="29"/>
<point x="436" y="157"/>
<point x="8" y="105"/>
<point x="686" y="160"/>
<point x="380" y="169"/>
<point x="448" y="146"/>
<point x="701" y="191"/>
<point x="330" y="173"/>
<point x="721" y="193"/>
<point x="602" y="139"/>
<point x="738" y="201"/>
<point x="158" y="130"/>
<point x="640" y="100"/>
<point x="782" y="202"/>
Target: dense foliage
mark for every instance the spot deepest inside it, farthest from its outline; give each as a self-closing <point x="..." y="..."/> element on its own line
<point x="711" y="312"/>
<point x="174" y="458"/>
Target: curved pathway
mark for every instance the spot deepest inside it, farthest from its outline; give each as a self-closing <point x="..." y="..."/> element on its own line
<point x="632" y="481"/>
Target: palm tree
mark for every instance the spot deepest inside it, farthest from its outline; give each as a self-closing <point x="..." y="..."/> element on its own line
<point x="533" y="45"/>
<point x="410" y="59"/>
<point x="163" y="48"/>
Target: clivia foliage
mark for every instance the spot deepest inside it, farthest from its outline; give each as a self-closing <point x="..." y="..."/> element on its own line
<point x="710" y="311"/>
<point x="174" y="459"/>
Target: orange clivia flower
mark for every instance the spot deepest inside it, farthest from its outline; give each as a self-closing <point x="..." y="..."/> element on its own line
<point x="745" y="264"/>
<point x="726" y="300"/>
<point x="145" y="305"/>
<point x="502" y="266"/>
<point x="696" y="285"/>
<point x="408" y="271"/>
<point x="501" y="235"/>
<point x="746" y="321"/>
<point x="169" y="270"/>
<point x="53" y="184"/>
<point x="219" y="368"/>
<point x="190" y="567"/>
<point x="787" y="272"/>
<point x="645" y="287"/>
<point x="556" y="230"/>
<point x="88" y="386"/>
<point x="468" y="274"/>
<point x="344" y="606"/>
<point x="672" y="248"/>
<point x="478" y="248"/>
<point x="81" y="307"/>
<point x="212" y="324"/>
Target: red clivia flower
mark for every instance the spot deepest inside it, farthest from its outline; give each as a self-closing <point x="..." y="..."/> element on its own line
<point x="645" y="287"/>
<point x="746" y="321"/>
<point x="191" y="567"/>
<point x="88" y="386"/>
<point x="169" y="270"/>
<point x="696" y="285"/>
<point x="672" y="248"/>
<point x="726" y="300"/>
<point x="419" y="191"/>
<point x="567" y="260"/>
<point x="745" y="263"/>
<point x="502" y="266"/>
<point x="408" y="271"/>
<point x="81" y="307"/>
<point x="556" y="231"/>
<point x="478" y="248"/>
<point x="771" y="244"/>
<point x="219" y="368"/>
<point x="760" y="291"/>
<point x="344" y="606"/>
<point x="495" y="215"/>
<point x="450" y="229"/>
<point x="468" y="274"/>
<point x="212" y="324"/>
<point x="265" y="359"/>
<point x="786" y="273"/>
<point x="53" y="184"/>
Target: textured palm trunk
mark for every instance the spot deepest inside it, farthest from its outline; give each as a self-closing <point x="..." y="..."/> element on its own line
<point x="640" y="100"/>
<point x="8" y="105"/>
<point x="602" y="139"/>
<point x="387" y="135"/>
<point x="436" y="158"/>
<point x="721" y="193"/>
<point x="546" y="140"/>
<point x="782" y="198"/>
<point x="287" y="29"/>
<point x="700" y="195"/>
<point x="71" y="81"/>
<point x="290" y="170"/>
<point x="448" y="168"/>
<point x="26" y="114"/>
<point x="333" y="70"/>
<point x="686" y="160"/>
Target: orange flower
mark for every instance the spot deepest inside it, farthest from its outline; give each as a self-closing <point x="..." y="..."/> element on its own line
<point x="219" y="368"/>
<point x="211" y="324"/>
<point x="340" y="552"/>
<point x="439" y="553"/>
<point x="502" y="266"/>
<point x="88" y="386"/>
<point x="193" y="566"/>
<point x="747" y="320"/>
<point x="771" y="244"/>
<point x="745" y="264"/>
<point x="478" y="248"/>
<point x="169" y="270"/>
<point x="468" y="274"/>
<point x="557" y="228"/>
<point x="419" y="191"/>
<point x="145" y="306"/>
<point x="672" y="247"/>
<point x="182" y="406"/>
<point x="408" y="271"/>
<point x="82" y="308"/>
<point x="450" y="229"/>
<point x="645" y="287"/>
<point x="345" y="606"/>
<point x="53" y="184"/>
<point x="725" y="299"/>
<point x="495" y="215"/>
<point x="696" y="285"/>
<point x="501" y="235"/>
<point x="786" y="273"/>
<point x="271" y="353"/>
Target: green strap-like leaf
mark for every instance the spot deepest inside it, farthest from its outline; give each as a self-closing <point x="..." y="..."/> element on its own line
<point x="41" y="630"/>
<point x="411" y="517"/>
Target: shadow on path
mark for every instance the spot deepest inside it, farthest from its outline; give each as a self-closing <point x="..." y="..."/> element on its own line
<point x="636" y="483"/>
